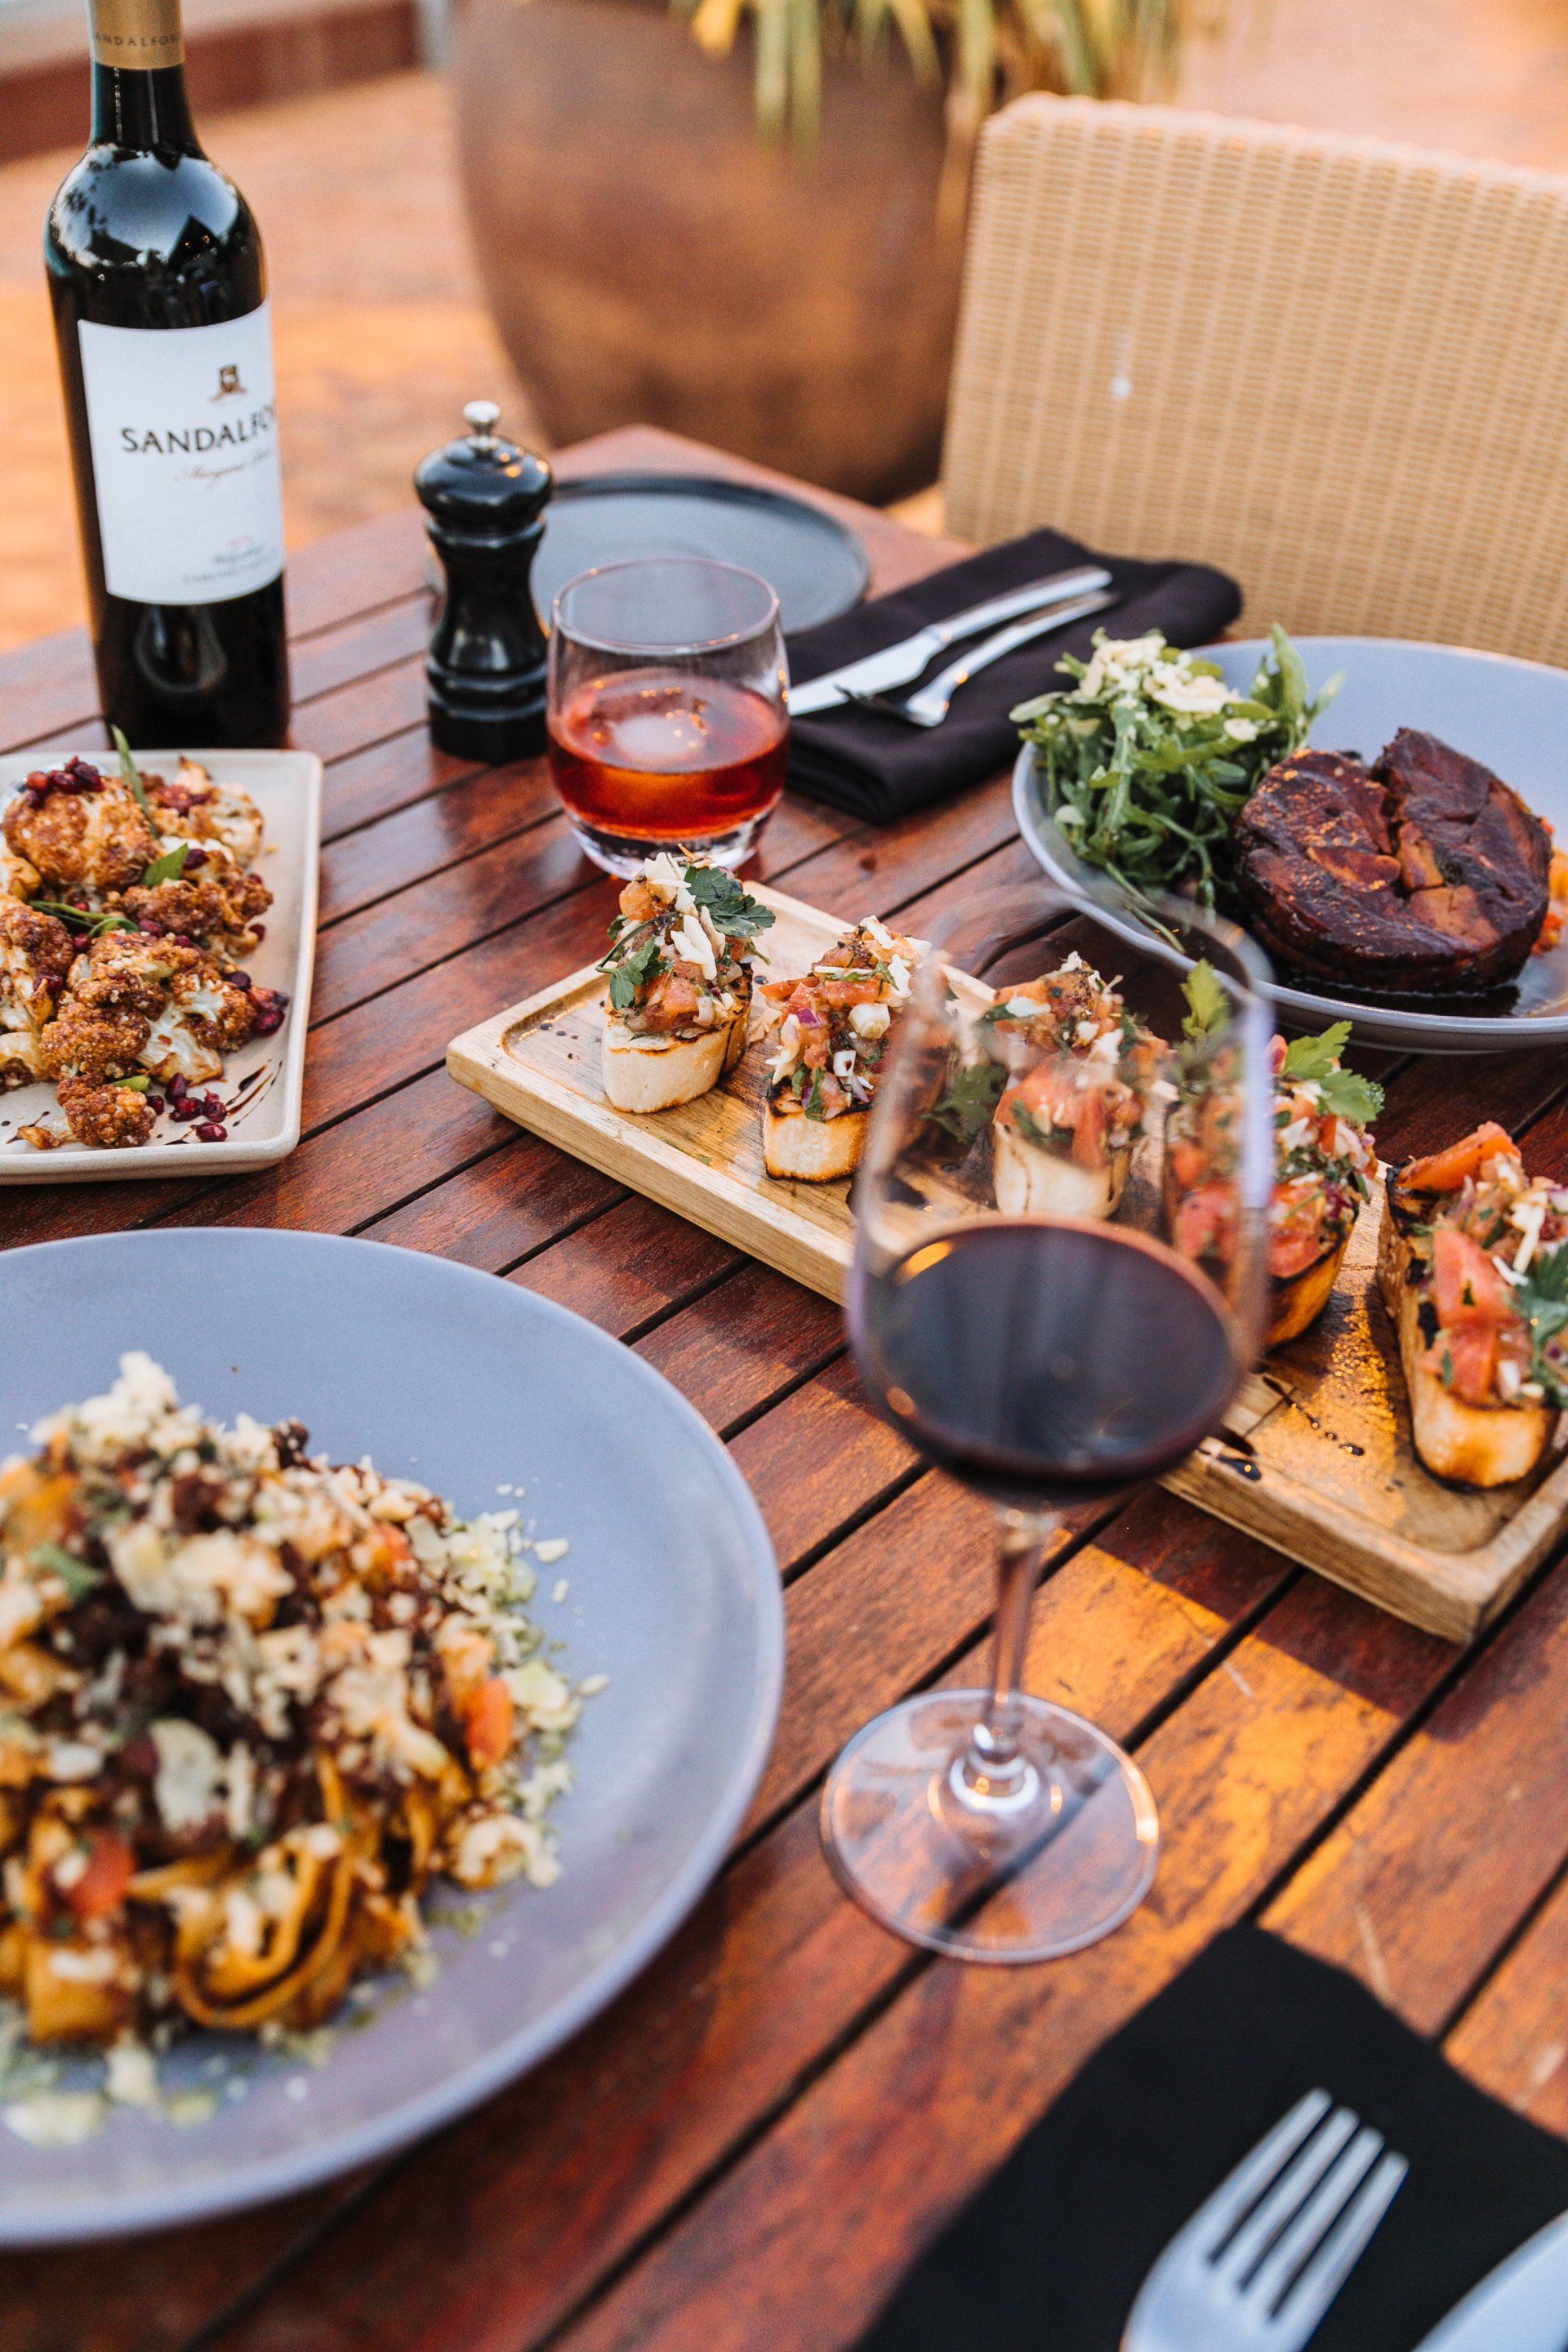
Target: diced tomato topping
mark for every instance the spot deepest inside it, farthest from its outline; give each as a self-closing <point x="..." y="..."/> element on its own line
<point x="1205" y="1223"/>
<point x="101" y="1886"/>
<point x="1298" y="1241"/>
<point x="1468" y="1355"/>
<point x="1187" y="1163"/>
<point x="1445" y="1172"/>
<point x="487" y="1724"/>
<point x="1090" y="1128"/>
<point x="1468" y="1286"/>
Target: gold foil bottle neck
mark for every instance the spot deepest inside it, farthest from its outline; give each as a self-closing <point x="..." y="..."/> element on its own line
<point x="137" y="32"/>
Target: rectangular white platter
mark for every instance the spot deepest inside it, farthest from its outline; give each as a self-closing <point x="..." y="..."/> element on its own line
<point x="265" y="1080"/>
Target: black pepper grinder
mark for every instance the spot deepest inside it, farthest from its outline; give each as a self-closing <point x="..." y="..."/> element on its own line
<point x="486" y="500"/>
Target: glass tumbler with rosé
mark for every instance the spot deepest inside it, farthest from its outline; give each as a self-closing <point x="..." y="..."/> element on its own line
<point x="667" y="715"/>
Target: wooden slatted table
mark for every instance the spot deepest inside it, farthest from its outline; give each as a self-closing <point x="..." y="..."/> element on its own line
<point x="748" y="2149"/>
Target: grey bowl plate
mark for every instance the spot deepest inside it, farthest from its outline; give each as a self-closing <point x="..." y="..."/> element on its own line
<point x="1513" y="715"/>
<point x="468" y="1383"/>
<point x="813" y="564"/>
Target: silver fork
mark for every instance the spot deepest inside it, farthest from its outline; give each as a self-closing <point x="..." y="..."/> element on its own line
<point x="928" y="706"/>
<point x="1256" y="2267"/>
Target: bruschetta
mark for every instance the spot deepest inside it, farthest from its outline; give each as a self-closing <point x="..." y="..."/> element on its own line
<point x="1325" y="1163"/>
<point x="679" y="1006"/>
<point x="1079" y="1076"/>
<point x="834" y="1027"/>
<point x="1473" y="1268"/>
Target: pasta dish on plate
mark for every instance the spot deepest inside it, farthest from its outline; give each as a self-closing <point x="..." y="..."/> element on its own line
<point x="251" y="1704"/>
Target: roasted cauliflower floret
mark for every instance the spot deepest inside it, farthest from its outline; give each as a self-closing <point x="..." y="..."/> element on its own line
<point x="21" y="1059"/>
<point x="216" y="1007"/>
<point x="77" y="827"/>
<point x="17" y="879"/>
<point x="123" y="967"/>
<point x="217" y="903"/>
<point x="109" y="1116"/>
<point x="192" y="807"/>
<point x="36" y="953"/>
<point x="93" y="1045"/>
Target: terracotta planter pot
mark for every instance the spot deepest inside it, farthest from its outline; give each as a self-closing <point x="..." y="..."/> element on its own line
<point x="649" y="260"/>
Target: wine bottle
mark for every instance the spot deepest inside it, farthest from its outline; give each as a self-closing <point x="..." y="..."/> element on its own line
<point x="159" y="289"/>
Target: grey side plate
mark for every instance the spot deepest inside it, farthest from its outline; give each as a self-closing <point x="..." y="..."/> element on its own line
<point x="1513" y="715"/>
<point x="813" y="564"/>
<point x="470" y="1385"/>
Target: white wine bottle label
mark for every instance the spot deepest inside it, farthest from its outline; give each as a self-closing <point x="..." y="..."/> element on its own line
<point x="183" y="425"/>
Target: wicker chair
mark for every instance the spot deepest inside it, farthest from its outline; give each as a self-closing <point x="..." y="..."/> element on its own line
<point x="1338" y="369"/>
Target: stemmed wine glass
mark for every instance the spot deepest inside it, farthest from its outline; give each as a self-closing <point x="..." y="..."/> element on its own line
<point x="1057" y="1289"/>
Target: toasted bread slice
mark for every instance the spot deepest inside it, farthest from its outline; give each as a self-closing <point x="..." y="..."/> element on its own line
<point x="1034" y="1183"/>
<point x="813" y="1150"/>
<point x="650" y="1074"/>
<point x="1298" y="1299"/>
<point x="1476" y="1444"/>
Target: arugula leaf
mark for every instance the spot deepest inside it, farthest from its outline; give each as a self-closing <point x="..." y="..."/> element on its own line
<point x="53" y="1560"/>
<point x="1314" y="1057"/>
<point x="731" y="909"/>
<point x="1210" y="1007"/>
<point x="971" y="1100"/>
<point x="169" y="868"/>
<point x="643" y="965"/>
<point x="131" y="775"/>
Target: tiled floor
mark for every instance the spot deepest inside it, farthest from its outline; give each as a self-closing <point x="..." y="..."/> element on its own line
<point x="379" y="330"/>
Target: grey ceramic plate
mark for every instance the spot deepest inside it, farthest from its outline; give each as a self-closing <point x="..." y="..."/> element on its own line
<point x="470" y="1385"/>
<point x="1513" y="715"/>
<point x="813" y="564"/>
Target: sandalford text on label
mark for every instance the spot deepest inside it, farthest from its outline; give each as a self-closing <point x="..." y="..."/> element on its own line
<point x="184" y="433"/>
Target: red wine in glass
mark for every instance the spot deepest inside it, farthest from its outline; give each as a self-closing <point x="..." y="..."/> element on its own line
<point x="1046" y="1361"/>
<point x="663" y="756"/>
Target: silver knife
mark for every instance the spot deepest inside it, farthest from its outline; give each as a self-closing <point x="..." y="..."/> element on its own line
<point x="1521" y="2306"/>
<point x="897" y="665"/>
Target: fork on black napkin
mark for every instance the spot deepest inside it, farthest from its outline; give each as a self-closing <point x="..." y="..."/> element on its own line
<point x="1051" y="2254"/>
<point x="879" y="768"/>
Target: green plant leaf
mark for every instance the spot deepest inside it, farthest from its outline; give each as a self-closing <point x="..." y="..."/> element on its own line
<point x="731" y="909"/>
<point x="78" y="1577"/>
<point x="1208" y="1005"/>
<point x="131" y="775"/>
<point x="1315" y="1057"/>
<point x="169" y="868"/>
<point x="971" y="1100"/>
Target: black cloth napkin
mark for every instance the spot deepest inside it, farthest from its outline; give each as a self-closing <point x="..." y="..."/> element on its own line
<point x="879" y="768"/>
<point x="1051" y="2254"/>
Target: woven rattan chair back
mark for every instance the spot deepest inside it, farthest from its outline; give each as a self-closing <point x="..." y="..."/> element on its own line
<point x="1336" y="368"/>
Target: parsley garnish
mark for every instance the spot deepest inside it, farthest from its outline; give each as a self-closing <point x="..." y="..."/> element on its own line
<point x="167" y="868"/>
<point x="1029" y="1128"/>
<point x="76" y="1575"/>
<point x="643" y="964"/>
<point x="1208" y="1006"/>
<point x="1345" y="1093"/>
<point x="811" y="1106"/>
<point x="971" y="1098"/>
<point x="1542" y="1299"/>
<point x="129" y="773"/>
<point x="731" y="910"/>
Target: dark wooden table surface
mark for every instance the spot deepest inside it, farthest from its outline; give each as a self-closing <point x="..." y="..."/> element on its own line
<point x="750" y="2146"/>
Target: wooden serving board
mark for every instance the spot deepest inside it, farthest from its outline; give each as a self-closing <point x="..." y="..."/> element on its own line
<point x="1316" y="1459"/>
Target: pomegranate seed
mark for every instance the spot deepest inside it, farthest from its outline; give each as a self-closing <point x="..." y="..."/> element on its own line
<point x="212" y="1131"/>
<point x="241" y="980"/>
<point x="155" y="1102"/>
<point x="184" y="1109"/>
<point x="258" y="930"/>
<point x="195" y="860"/>
<point x="180" y="938"/>
<point x="177" y="1088"/>
<point x="214" y="1106"/>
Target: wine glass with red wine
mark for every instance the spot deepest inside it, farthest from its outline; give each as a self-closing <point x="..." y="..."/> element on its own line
<point x="1058" y="1288"/>
<point x="667" y="715"/>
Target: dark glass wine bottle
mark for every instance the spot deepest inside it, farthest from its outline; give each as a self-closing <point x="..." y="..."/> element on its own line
<point x="165" y="344"/>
